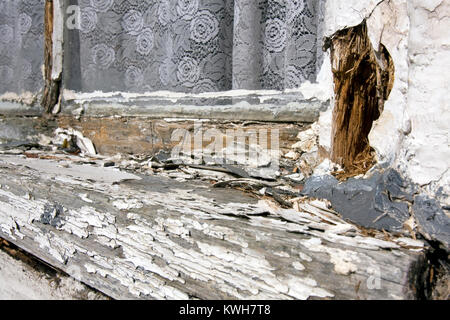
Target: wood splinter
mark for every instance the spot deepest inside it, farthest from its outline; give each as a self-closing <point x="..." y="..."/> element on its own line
<point x="51" y="93"/>
<point x="363" y="80"/>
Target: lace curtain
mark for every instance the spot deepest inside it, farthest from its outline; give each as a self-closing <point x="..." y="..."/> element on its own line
<point x="21" y="45"/>
<point x="193" y="45"/>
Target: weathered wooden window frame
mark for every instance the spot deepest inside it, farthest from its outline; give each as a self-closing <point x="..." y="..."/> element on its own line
<point x="263" y="105"/>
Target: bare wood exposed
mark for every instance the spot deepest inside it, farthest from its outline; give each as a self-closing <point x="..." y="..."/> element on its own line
<point x="135" y="135"/>
<point x="362" y="84"/>
<point x="52" y="87"/>
<point x="151" y="237"/>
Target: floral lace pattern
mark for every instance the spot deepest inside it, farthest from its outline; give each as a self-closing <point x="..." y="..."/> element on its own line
<point x="197" y="45"/>
<point x="178" y="45"/>
<point x="21" y="45"/>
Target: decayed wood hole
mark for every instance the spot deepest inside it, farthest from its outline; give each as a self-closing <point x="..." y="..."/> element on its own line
<point x="51" y="90"/>
<point x="363" y="80"/>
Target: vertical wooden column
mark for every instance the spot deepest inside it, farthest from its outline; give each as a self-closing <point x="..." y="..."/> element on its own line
<point x="52" y="87"/>
<point x="363" y="80"/>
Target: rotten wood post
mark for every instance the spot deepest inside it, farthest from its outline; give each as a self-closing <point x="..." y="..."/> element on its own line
<point x="52" y="86"/>
<point x="363" y="80"/>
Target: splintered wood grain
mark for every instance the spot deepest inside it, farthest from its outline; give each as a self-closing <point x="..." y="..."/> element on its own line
<point x="48" y="38"/>
<point x="362" y="84"/>
<point x="52" y="88"/>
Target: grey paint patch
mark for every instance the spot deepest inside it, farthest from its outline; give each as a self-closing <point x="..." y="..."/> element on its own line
<point x="432" y="220"/>
<point x="384" y="202"/>
<point x="380" y="202"/>
<point x="51" y="215"/>
<point x="320" y="186"/>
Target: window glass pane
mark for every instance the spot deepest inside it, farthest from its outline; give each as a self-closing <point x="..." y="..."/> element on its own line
<point x="192" y="45"/>
<point x="21" y="46"/>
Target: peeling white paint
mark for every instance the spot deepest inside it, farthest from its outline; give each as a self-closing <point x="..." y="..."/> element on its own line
<point x="127" y="204"/>
<point x="85" y="144"/>
<point x="75" y="172"/>
<point x="298" y="266"/>
<point x="81" y="97"/>
<point x="161" y="250"/>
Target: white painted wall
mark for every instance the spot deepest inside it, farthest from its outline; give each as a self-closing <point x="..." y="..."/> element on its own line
<point x="426" y="152"/>
<point x="413" y="131"/>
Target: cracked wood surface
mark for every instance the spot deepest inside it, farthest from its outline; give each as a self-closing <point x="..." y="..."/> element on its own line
<point x="146" y="236"/>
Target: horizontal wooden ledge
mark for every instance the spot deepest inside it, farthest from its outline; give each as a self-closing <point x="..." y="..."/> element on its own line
<point x="294" y="111"/>
<point x="134" y="236"/>
<point x="274" y="108"/>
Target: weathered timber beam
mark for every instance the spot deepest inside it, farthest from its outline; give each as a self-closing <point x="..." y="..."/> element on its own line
<point x="150" y="237"/>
